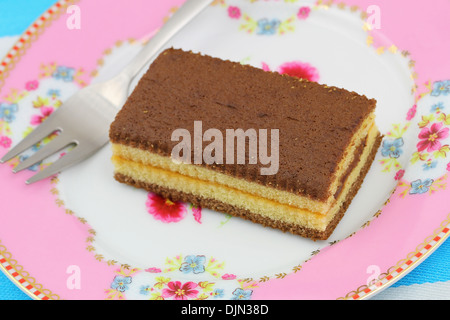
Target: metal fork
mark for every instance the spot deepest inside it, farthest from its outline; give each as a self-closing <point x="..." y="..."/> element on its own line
<point x="85" y="118"/>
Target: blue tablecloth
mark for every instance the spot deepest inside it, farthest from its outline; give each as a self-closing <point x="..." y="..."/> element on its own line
<point x="430" y="280"/>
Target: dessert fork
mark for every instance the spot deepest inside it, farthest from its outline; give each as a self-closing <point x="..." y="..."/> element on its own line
<point x="84" y="119"/>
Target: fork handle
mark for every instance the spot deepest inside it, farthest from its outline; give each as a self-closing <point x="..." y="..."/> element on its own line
<point x="188" y="11"/>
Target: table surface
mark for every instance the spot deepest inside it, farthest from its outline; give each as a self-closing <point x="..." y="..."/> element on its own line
<point x="430" y="280"/>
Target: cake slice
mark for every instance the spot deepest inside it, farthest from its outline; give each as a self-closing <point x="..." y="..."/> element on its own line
<point x="322" y="141"/>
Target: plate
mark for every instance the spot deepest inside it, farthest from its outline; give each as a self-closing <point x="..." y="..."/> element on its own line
<point x="82" y="235"/>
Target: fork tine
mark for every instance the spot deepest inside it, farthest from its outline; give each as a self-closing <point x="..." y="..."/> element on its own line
<point x="52" y="147"/>
<point x="42" y="131"/>
<point x="76" y="155"/>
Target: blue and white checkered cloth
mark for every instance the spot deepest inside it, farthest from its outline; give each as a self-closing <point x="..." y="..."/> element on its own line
<point x="430" y="280"/>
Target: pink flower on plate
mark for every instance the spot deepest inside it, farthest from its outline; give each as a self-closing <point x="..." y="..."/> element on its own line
<point x="5" y="142"/>
<point x="304" y="12"/>
<point x="411" y="113"/>
<point x="153" y="270"/>
<point x="265" y="66"/>
<point x="32" y="85"/>
<point x="197" y="211"/>
<point x="38" y="119"/>
<point x="296" y="69"/>
<point x="448" y="166"/>
<point x="431" y="136"/>
<point x="300" y="70"/>
<point x="399" y="175"/>
<point x="228" y="276"/>
<point x="180" y="291"/>
<point x="165" y="210"/>
<point x="234" y="12"/>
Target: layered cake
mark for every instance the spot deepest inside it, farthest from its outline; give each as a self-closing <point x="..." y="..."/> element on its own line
<point x="321" y="141"/>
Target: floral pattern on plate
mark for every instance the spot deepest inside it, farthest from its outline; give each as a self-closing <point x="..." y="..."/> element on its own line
<point x="265" y="26"/>
<point x="36" y="101"/>
<point x="430" y="161"/>
<point x="206" y="281"/>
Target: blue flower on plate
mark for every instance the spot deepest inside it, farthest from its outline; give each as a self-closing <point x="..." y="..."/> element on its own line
<point x="64" y="73"/>
<point x="419" y="186"/>
<point x="392" y="148"/>
<point x="53" y="93"/>
<point x="429" y="165"/>
<point x="218" y="293"/>
<point x="8" y="112"/>
<point x="121" y="283"/>
<point x="145" y="290"/>
<point x="441" y="87"/>
<point x="268" y="27"/>
<point x="241" y="294"/>
<point x="195" y="264"/>
<point x="438" y="107"/>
